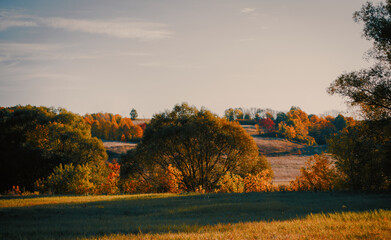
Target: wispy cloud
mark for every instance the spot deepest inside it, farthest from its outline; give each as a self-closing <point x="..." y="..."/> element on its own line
<point x="118" y="27"/>
<point x="15" y="23"/>
<point x="247" y="10"/>
<point x="10" y="19"/>
<point x="12" y="54"/>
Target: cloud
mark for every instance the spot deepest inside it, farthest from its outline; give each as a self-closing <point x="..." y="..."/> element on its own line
<point x="12" y="54"/>
<point x="247" y="10"/>
<point x="12" y="23"/>
<point x="118" y="27"/>
<point x="10" y="19"/>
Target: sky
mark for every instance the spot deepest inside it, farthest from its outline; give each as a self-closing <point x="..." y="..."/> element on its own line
<point x="111" y="56"/>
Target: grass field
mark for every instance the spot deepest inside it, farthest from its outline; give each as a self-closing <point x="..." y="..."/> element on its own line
<point x="279" y="215"/>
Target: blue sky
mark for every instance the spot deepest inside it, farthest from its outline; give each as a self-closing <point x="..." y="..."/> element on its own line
<point x="111" y="56"/>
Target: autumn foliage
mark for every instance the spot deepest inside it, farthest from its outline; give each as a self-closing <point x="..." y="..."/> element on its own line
<point x="111" y="185"/>
<point x="267" y="124"/>
<point x="113" y="127"/>
<point x="318" y="174"/>
<point x="260" y="182"/>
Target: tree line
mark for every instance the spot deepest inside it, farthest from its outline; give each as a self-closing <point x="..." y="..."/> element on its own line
<point x="114" y="127"/>
<point x="294" y="125"/>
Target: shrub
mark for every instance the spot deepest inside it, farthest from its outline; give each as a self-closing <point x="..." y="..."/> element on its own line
<point x="261" y="182"/>
<point x="111" y="185"/>
<point x="172" y="180"/>
<point x="70" y="179"/>
<point x="318" y="175"/>
<point x="230" y="183"/>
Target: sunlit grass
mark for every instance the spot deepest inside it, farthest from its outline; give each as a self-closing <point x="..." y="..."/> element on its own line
<point x="34" y="201"/>
<point x="349" y="225"/>
<point x="279" y="215"/>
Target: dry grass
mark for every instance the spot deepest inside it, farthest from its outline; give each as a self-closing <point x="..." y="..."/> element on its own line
<point x="250" y="129"/>
<point x="115" y="149"/>
<point x="269" y="146"/>
<point x="286" y="168"/>
<point x="17" y="202"/>
<point x="119" y="147"/>
<point x="365" y="225"/>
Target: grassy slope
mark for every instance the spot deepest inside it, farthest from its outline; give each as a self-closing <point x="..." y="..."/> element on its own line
<point x="221" y="216"/>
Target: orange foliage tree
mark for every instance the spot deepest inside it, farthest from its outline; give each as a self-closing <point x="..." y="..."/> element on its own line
<point x="172" y="180"/>
<point x="113" y="127"/>
<point x="261" y="182"/>
<point x="111" y="185"/>
<point x="319" y="174"/>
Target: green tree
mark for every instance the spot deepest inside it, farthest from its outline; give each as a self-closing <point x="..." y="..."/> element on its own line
<point x="133" y="114"/>
<point x="202" y="146"/>
<point x="363" y="151"/>
<point x="363" y="154"/>
<point x="340" y="122"/>
<point x="370" y="89"/>
<point x="34" y="140"/>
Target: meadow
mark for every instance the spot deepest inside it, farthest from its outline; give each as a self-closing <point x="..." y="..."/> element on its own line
<point x="274" y="215"/>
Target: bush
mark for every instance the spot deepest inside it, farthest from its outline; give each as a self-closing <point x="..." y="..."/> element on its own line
<point x="318" y="175"/>
<point x="111" y="185"/>
<point x="261" y="182"/>
<point x="69" y="179"/>
<point x="230" y="183"/>
<point x="81" y="179"/>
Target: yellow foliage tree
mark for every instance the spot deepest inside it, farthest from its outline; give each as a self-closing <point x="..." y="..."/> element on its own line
<point x="261" y="182"/>
<point x="318" y="175"/>
<point x="286" y="131"/>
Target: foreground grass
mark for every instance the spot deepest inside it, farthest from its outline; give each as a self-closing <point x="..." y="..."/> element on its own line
<point x="349" y="225"/>
<point x="9" y="202"/>
<point x="214" y="216"/>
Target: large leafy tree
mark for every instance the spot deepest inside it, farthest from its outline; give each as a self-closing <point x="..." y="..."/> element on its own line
<point x="363" y="151"/>
<point x="370" y="89"/>
<point x="202" y="146"/>
<point x="34" y="140"/>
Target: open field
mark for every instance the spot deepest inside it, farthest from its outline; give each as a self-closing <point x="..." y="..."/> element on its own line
<point x="115" y="149"/>
<point x="286" y="168"/>
<point x="279" y="215"/>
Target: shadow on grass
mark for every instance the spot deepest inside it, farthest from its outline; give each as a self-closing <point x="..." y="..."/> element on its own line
<point x="182" y="213"/>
